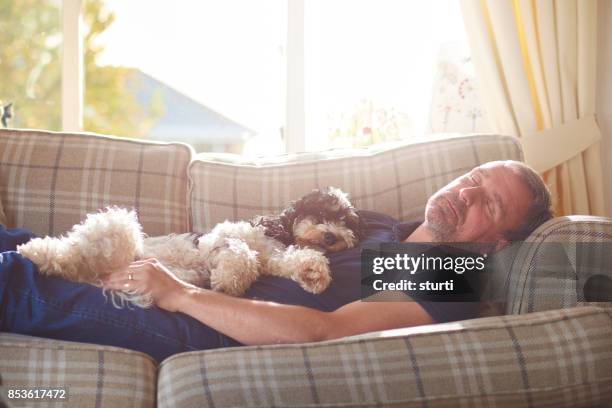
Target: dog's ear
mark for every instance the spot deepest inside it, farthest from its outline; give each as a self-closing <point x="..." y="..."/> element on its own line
<point x="349" y="214"/>
<point x="278" y="228"/>
<point x="311" y="203"/>
<point x="286" y="218"/>
<point x="327" y="203"/>
<point x="355" y="223"/>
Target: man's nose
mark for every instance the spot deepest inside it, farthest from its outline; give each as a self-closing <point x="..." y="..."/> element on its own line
<point x="469" y="195"/>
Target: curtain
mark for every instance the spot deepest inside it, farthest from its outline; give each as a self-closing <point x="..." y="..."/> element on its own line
<point x="536" y="64"/>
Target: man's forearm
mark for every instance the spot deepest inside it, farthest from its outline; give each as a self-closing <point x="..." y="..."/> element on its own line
<point x="254" y="322"/>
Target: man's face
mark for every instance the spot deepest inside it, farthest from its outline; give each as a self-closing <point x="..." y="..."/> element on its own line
<point x="478" y="206"/>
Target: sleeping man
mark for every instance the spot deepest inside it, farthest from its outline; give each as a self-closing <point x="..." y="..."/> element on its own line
<point x="492" y="205"/>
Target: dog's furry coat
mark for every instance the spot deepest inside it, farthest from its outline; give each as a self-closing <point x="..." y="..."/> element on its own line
<point x="228" y="259"/>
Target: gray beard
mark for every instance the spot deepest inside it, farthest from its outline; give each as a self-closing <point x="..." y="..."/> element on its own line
<point x="440" y="234"/>
<point x="441" y="231"/>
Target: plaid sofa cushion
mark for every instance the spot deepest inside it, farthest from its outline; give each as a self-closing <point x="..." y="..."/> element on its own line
<point x="49" y="181"/>
<point x="95" y="376"/>
<point x="554" y="264"/>
<point x="559" y="358"/>
<point x="395" y="180"/>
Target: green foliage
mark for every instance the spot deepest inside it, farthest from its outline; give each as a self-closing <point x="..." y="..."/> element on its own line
<point x="30" y="66"/>
<point x="30" y="62"/>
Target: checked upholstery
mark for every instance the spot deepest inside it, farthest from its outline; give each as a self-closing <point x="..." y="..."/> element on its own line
<point x="95" y="376"/>
<point x="553" y="266"/>
<point x="558" y="356"/>
<point x="50" y="181"/>
<point x="394" y="179"/>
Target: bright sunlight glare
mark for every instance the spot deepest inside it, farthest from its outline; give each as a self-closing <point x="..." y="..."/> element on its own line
<point x="230" y="55"/>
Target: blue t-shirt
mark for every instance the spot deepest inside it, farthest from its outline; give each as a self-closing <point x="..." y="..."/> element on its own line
<point x="345" y="267"/>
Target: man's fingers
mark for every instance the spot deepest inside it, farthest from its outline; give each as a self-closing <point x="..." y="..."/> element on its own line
<point x="122" y="277"/>
<point x="123" y="285"/>
<point x="119" y="277"/>
<point x="133" y="269"/>
<point x="141" y="262"/>
<point x="130" y="278"/>
<point x="138" y="267"/>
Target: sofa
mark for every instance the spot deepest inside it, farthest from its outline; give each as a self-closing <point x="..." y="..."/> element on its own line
<point x="549" y="348"/>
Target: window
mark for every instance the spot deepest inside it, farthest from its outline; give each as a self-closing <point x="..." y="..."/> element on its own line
<point x="244" y="76"/>
<point x="371" y="67"/>
<point x="206" y="73"/>
<point x="30" y="65"/>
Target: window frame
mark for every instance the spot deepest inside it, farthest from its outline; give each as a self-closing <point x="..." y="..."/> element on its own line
<point x="73" y="79"/>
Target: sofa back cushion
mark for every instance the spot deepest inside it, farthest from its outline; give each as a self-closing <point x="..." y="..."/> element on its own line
<point x="557" y="266"/>
<point x="395" y="180"/>
<point x="49" y="181"/>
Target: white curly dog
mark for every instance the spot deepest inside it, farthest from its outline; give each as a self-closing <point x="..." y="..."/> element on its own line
<point x="228" y="259"/>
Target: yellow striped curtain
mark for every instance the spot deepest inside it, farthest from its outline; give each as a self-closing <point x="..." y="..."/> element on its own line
<point x="536" y="63"/>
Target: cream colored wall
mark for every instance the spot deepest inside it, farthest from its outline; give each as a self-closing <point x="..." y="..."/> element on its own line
<point x="604" y="95"/>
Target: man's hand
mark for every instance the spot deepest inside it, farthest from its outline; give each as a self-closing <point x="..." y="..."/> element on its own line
<point x="254" y="322"/>
<point x="150" y="276"/>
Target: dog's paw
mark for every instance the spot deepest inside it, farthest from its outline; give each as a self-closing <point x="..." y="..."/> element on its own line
<point x="235" y="268"/>
<point x="313" y="275"/>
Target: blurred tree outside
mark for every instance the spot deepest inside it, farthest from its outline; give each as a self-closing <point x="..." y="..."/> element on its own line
<point x="30" y="62"/>
<point x="30" y="68"/>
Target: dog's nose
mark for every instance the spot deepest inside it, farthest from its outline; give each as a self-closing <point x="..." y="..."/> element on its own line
<point x="329" y="239"/>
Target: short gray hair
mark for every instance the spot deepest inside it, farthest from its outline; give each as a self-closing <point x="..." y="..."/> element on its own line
<point x="540" y="209"/>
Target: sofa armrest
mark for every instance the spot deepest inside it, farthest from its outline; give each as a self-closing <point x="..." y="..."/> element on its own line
<point x="553" y="266"/>
<point x="101" y="376"/>
<point x="502" y="361"/>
